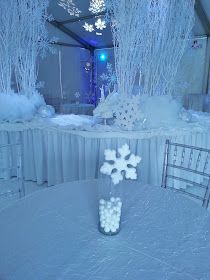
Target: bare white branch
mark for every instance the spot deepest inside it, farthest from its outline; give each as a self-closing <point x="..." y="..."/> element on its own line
<point x="149" y="39"/>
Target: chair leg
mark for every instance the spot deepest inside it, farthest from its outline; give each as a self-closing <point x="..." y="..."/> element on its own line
<point x="207" y="196"/>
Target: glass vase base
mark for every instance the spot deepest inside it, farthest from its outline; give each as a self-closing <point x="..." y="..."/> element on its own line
<point x="109" y="233"/>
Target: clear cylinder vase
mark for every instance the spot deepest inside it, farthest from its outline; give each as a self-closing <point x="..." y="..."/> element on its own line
<point x="110" y="208"/>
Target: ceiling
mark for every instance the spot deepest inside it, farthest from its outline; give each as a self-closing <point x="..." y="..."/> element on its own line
<point x="73" y="26"/>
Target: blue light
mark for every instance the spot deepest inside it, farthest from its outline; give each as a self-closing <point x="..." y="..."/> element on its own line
<point x="102" y="57"/>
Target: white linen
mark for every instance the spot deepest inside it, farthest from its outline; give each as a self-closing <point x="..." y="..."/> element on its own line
<point x="163" y="236"/>
<point x="57" y="154"/>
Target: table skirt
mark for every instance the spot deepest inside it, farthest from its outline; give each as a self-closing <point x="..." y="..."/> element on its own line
<point x="57" y="156"/>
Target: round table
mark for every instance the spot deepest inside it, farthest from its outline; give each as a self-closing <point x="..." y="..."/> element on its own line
<point x="53" y="234"/>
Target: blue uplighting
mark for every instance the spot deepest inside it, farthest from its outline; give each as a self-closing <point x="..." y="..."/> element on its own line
<point x="102" y="57"/>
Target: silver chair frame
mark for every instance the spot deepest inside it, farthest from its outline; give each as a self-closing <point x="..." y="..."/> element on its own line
<point x="19" y="168"/>
<point x="204" y="173"/>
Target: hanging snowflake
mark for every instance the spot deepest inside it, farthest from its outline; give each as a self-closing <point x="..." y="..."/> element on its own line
<point x="70" y="7"/>
<point x="100" y="24"/>
<point x="97" y="6"/>
<point x="77" y="94"/>
<point x="122" y="166"/>
<point x="127" y="112"/>
<point x="88" y="27"/>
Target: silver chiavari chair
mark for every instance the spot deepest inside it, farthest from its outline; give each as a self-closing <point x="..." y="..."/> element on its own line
<point x="186" y="169"/>
<point x="11" y="170"/>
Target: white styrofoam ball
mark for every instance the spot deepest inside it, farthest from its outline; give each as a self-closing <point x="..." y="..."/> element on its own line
<point x="113" y="224"/>
<point x="101" y="207"/>
<point x="46" y="111"/>
<point x="113" y="229"/>
<point x="119" y="203"/>
<point x="102" y="218"/>
<point x="101" y="213"/>
<point x="118" y="211"/>
<point x="112" y="199"/>
<point x="107" y="229"/>
<point x="102" y="202"/>
<point x="109" y="204"/>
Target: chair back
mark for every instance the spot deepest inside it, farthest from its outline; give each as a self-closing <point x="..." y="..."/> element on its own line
<point x="11" y="170"/>
<point x="186" y="169"/>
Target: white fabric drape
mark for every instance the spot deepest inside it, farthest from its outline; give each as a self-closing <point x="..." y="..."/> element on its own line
<point x="57" y="156"/>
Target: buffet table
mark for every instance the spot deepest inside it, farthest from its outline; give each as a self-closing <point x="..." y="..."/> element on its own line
<point x="56" y="236"/>
<point x="57" y="153"/>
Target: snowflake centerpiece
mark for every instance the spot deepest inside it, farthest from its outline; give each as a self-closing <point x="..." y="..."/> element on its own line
<point x="88" y="27"/>
<point x="118" y="167"/>
<point x="128" y="112"/>
<point x="100" y="24"/>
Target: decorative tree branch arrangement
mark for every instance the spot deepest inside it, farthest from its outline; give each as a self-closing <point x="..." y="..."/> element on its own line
<point x="149" y="39"/>
<point x="23" y="37"/>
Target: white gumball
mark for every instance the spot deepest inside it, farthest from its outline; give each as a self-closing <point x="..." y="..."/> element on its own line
<point x="112" y="199"/>
<point x="107" y="229"/>
<point x="110" y="212"/>
<point x="102" y="202"/>
<point x="109" y="205"/>
<point x="119" y="203"/>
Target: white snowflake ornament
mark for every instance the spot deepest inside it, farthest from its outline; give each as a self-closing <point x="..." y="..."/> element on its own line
<point x="77" y="94"/>
<point x="118" y="167"/>
<point x="100" y="24"/>
<point x="88" y="27"/>
<point x="97" y="6"/>
<point x="128" y="112"/>
<point x="70" y="6"/>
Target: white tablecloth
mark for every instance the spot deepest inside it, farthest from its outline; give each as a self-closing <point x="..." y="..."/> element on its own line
<point x="57" y="155"/>
<point x="77" y="109"/>
<point x="53" y="234"/>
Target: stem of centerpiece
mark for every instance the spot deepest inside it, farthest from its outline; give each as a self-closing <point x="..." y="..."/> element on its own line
<point x="120" y="164"/>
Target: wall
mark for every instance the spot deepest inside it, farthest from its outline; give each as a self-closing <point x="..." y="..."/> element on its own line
<point x="62" y="81"/>
<point x="191" y="72"/>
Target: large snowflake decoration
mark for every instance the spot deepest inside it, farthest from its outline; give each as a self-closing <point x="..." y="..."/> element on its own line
<point x="109" y="78"/>
<point x="122" y="166"/>
<point x="70" y="7"/>
<point x="100" y="24"/>
<point x="128" y="112"/>
<point x="88" y="27"/>
<point x="97" y="6"/>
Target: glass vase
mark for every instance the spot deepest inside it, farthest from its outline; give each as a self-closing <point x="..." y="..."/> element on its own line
<point x="110" y="208"/>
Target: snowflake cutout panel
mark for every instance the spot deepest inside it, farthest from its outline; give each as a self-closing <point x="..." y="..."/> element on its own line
<point x="120" y="166"/>
<point x="128" y="112"/>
